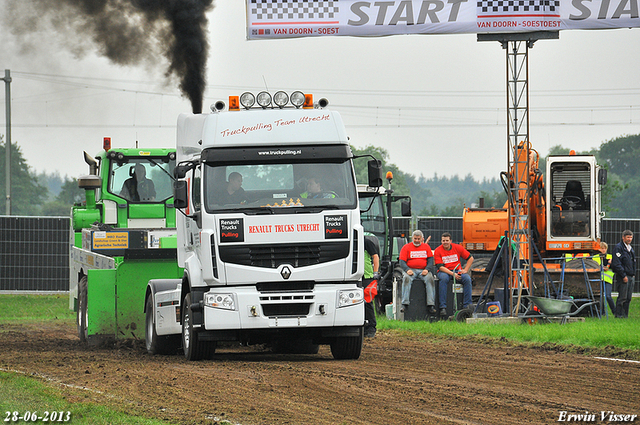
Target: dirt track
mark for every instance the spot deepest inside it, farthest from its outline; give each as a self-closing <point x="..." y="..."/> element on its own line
<point x="400" y="378"/>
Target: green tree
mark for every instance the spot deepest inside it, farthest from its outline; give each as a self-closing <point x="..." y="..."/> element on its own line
<point x="621" y="156"/>
<point x="399" y="182"/>
<point x="27" y="195"/>
<point x="69" y="195"/>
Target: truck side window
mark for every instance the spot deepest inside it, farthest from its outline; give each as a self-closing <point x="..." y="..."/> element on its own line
<point x="197" y="182"/>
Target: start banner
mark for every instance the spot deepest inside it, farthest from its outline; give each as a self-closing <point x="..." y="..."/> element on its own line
<point x="310" y="18"/>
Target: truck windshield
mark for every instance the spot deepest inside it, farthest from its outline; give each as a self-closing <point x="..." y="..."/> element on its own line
<point x="144" y="180"/>
<point x="279" y="187"/>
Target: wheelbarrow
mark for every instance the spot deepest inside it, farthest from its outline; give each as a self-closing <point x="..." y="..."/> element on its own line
<point x="552" y="308"/>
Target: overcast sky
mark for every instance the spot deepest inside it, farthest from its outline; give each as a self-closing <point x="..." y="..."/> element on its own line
<point x="436" y="103"/>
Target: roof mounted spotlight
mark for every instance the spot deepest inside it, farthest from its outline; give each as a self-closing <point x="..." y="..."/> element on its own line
<point x="281" y="99"/>
<point x="264" y="99"/>
<point x="218" y="106"/>
<point x="297" y="99"/>
<point x="247" y="100"/>
<point x="323" y="103"/>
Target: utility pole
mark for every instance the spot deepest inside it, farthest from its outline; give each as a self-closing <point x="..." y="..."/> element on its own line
<point x="7" y="139"/>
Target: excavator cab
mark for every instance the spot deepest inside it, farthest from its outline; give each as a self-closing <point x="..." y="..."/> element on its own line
<point x="574" y="199"/>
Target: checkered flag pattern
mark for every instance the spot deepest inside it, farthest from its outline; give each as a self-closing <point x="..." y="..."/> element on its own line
<point x="518" y="6"/>
<point x="293" y="9"/>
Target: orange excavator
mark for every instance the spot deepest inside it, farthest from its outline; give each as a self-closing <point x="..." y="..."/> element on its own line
<point x="564" y="219"/>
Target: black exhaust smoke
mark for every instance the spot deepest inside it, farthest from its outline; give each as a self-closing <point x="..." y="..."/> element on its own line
<point x="127" y="32"/>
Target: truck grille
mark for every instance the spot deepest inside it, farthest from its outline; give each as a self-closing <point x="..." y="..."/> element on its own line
<point x="273" y="256"/>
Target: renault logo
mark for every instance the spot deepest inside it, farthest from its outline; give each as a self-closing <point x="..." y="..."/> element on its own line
<point x="285" y="272"/>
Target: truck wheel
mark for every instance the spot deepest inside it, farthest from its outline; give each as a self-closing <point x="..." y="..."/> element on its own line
<point x="194" y="348"/>
<point x="347" y="347"/>
<point x="81" y="317"/>
<point x="157" y="344"/>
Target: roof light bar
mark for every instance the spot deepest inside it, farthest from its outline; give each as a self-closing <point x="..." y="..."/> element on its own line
<point x="265" y="100"/>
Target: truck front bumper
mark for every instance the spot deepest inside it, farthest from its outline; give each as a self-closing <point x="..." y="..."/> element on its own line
<point x="245" y="308"/>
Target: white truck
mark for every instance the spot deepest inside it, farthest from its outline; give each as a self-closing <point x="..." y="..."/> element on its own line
<point x="277" y="261"/>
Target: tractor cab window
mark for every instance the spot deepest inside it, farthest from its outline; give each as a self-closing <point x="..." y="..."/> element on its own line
<point x="571" y="200"/>
<point x="373" y="219"/>
<point x="142" y="180"/>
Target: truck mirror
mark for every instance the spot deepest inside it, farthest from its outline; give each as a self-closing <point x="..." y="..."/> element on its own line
<point x="181" y="170"/>
<point x="374" y="169"/>
<point x="602" y="176"/>
<point x="405" y="208"/>
<point x="180" y="194"/>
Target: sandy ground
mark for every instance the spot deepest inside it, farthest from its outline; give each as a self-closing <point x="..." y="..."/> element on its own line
<point x="400" y="378"/>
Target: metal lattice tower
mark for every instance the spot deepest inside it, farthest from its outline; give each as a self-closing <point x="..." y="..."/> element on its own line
<point x="519" y="164"/>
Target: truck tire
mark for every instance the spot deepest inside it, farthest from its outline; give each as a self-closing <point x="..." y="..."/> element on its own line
<point x="157" y="344"/>
<point x="194" y="348"/>
<point x="81" y="317"/>
<point x="347" y="347"/>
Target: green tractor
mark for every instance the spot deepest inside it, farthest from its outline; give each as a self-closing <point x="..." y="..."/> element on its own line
<point x="376" y="215"/>
<point x="121" y="237"/>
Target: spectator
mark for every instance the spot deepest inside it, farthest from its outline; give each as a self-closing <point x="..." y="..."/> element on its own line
<point x="623" y="263"/>
<point x="448" y="258"/>
<point x="416" y="260"/>
<point x="607" y="278"/>
<point x="371" y="273"/>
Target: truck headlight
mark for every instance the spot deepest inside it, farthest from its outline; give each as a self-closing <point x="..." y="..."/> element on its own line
<point x="349" y="297"/>
<point x="223" y="301"/>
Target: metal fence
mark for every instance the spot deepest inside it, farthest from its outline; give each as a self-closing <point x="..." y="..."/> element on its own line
<point x="34" y="251"/>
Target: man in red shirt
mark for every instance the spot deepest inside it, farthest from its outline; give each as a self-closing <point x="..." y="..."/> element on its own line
<point x="416" y="259"/>
<point x="447" y="259"/>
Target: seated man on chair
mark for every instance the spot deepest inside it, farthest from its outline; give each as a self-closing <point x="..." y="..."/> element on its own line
<point x="416" y="259"/>
<point x="447" y="258"/>
<point x="138" y="187"/>
<point x="315" y="190"/>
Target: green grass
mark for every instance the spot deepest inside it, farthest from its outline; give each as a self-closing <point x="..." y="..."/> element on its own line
<point x="600" y="333"/>
<point x="29" y="309"/>
<point x="23" y="394"/>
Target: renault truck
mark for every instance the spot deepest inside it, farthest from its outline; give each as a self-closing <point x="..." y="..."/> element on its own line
<point x="268" y="231"/>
